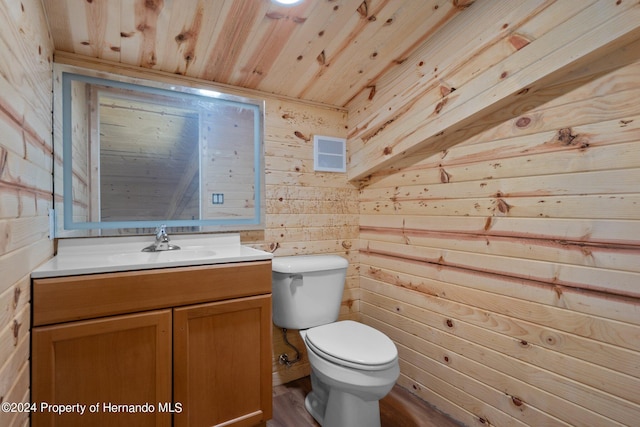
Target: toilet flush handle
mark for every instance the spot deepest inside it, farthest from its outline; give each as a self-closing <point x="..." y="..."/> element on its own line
<point x="295" y="281"/>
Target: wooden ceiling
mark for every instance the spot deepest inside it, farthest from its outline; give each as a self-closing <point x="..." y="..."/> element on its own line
<point x="324" y="51"/>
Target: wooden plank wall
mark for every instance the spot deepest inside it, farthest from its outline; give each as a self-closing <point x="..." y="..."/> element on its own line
<point x="490" y="55"/>
<point x="506" y="268"/>
<point x="307" y="212"/>
<point x="25" y="184"/>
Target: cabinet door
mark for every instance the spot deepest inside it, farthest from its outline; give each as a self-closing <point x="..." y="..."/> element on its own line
<point x="123" y="360"/>
<point x="222" y="363"/>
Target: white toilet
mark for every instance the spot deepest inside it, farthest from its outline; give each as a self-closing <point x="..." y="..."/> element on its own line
<point x="353" y="366"/>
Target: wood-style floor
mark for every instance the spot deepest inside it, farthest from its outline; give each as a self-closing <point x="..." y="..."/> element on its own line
<point x="398" y="409"/>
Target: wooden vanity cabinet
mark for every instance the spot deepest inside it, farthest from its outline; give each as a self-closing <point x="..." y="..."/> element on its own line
<point x="194" y="343"/>
<point x="116" y="360"/>
<point x="231" y="333"/>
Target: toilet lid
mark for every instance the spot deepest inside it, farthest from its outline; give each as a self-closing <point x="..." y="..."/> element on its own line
<point x="352" y="342"/>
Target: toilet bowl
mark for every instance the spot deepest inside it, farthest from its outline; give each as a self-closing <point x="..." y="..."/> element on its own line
<point x="348" y="379"/>
<point x="353" y="365"/>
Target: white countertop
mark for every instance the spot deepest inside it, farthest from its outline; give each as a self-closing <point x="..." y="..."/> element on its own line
<point x="111" y="254"/>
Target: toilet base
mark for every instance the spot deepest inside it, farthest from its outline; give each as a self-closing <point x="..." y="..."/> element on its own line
<point x="343" y="411"/>
<point x="316" y="407"/>
<point x="335" y="408"/>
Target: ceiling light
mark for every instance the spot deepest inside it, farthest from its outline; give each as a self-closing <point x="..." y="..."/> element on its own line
<point x="287" y="2"/>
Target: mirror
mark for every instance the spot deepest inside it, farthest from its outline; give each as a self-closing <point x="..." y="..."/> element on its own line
<point x="132" y="154"/>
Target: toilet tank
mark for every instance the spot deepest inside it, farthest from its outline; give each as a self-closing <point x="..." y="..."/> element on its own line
<point x="307" y="290"/>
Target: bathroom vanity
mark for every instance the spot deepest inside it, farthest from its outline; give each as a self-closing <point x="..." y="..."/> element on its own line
<point x="176" y="341"/>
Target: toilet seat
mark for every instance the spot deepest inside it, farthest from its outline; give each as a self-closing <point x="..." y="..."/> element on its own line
<point x="352" y="344"/>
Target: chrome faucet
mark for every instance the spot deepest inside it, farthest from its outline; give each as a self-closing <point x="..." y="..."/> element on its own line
<point x="162" y="241"/>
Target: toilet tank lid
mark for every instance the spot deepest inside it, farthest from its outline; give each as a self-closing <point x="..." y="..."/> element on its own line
<point x="307" y="263"/>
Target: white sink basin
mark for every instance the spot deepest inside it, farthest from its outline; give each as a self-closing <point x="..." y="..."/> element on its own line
<point x="111" y="254"/>
<point x="162" y="256"/>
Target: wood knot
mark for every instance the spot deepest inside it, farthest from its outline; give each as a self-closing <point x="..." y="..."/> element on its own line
<point x="387" y="150"/>
<point x="558" y="290"/>
<point x="363" y="9"/>
<point x="462" y="4"/>
<point x="518" y="41"/>
<point x="372" y="91"/>
<point x="444" y="176"/>
<point x="440" y="105"/>
<point x="487" y="223"/>
<point x="346" y="244"/>
<point x="273" y="247"/>
<point x="183" y="37"/>
<point x="446" y="90"/>
<point x="16" y="297"/>
<point x="152" y="4"/>
<point x="322" y="59"/>
<point x="517" y="401"/>
<point x="565" y="136"/>
<point x="503" y="206"/>
<point x="523" y="122"/>
<point x="449" y="323"/>
<point x="274" y="15"/>
<point x="16" y="332"/>
<point x="152" y="60"/>
<point x="301" y="136"/>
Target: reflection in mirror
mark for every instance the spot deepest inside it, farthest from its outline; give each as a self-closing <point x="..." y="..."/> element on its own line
<point x="165" y="161"/>
<point x="136" y="154"/>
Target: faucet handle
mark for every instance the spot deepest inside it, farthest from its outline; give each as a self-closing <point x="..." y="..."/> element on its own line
<point x="161" y="232"/>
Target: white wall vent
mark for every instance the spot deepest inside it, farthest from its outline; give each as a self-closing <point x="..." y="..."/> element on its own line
<point x="329" y="154"/>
